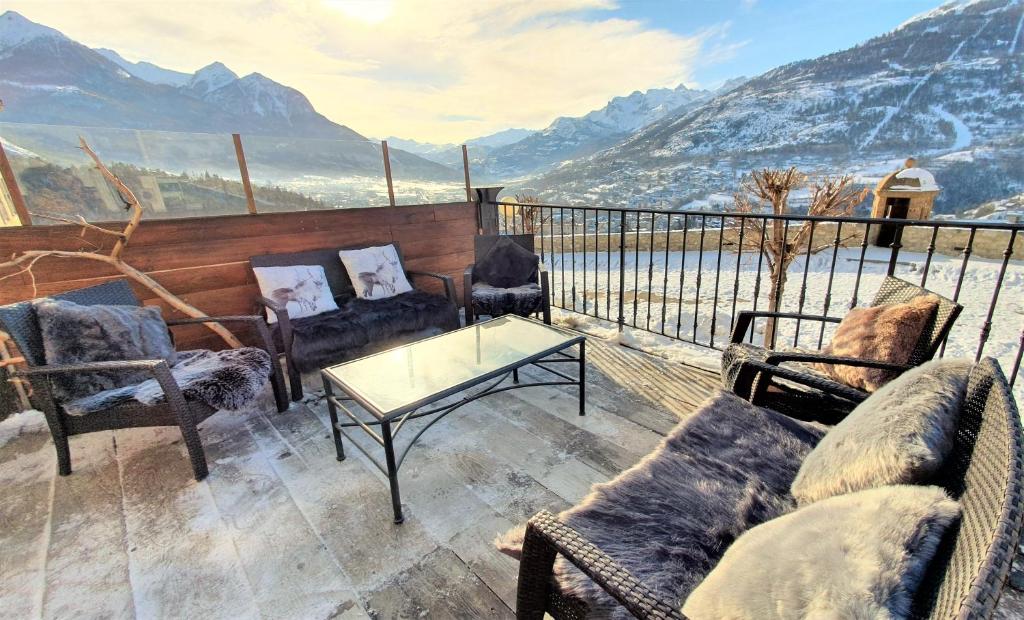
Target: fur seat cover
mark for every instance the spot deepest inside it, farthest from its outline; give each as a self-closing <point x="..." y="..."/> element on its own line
<point x="670" y="517"/>
<point x="227" y="379"/>
<point x="521" y="300"/>
<point x="333" y="337"/>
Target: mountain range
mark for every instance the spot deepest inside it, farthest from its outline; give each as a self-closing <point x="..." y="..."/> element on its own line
<point x="48" y="79"/>
<point x="946" y="86"/>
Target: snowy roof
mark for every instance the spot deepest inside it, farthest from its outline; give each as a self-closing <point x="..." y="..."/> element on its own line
<point x="910" y="180"/>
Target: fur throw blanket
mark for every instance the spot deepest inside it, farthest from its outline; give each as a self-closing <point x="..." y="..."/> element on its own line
<point x="522" y="300"/>
<point x="227" y="379"/>
<point x="670" y="517"/>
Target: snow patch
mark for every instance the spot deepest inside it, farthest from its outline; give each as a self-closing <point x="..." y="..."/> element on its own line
<point x="19" y="424"/>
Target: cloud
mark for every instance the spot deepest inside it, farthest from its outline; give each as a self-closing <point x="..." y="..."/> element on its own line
<point x="442" y="70"/>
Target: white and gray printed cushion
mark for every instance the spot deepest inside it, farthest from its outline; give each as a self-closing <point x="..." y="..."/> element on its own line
<point x="302" y="289"/>
<point x="901" y="434"/>
<point x="78" y="334"/>
<point x="861" y="555"/>
<point x="375" y="272"/>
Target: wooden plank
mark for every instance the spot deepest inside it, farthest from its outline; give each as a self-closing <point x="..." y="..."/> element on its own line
<point x="447" y="229"/>
<point x="27" y="469"/>
<point x="11" y="182"/>
<point x="88" y="563"/>
<point x="243" y="170"/>
<point x="183" y="559"/>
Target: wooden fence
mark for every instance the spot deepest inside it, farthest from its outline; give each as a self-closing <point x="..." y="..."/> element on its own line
<point x="205" y="260"/>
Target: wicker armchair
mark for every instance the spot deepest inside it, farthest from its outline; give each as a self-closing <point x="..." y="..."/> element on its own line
<point x="20" y="322"/>
<point x="800" y="391"/>
<point x="985" y="472"/>
<point x="483" y="244"/>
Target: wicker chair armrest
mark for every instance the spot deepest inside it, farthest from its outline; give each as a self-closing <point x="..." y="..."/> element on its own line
<point x="91" y="366"/>
<point x="546" y="536"/>
<point x="776" y="357"/>
<point x="754" y="377"/>
<point x="746" y="317"/>
<point x="449" y="283"/>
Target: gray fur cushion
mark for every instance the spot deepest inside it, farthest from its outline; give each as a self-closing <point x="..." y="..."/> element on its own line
<point x="76" y="334"/>
<point x="669" y="518"/>
<point x="521" y="300"/>
<point x="507" y="265"/>
<point x="227" y="379"/>
<point x="860" y="555"/>
<point x="900" y="435"/>
<point x="333" y="337"/>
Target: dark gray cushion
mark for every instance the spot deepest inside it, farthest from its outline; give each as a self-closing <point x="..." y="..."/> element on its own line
<point x="669" y="518"/>
<point x="76" y="334"/>
<point x="860" y="555"/>
<point x="522" y="300"/>
<point x="332" y="337"/>
<point x="900" y="435"/>
<point x="507" y="265"/>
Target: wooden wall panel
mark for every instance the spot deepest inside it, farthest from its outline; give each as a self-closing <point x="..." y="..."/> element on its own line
<point x="205" y="260"/>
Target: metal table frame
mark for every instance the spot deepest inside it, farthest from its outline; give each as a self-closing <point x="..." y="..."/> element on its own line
<point x="392" y="423"/>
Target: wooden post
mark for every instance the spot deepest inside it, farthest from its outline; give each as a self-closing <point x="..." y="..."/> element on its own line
<point x="465" y="171"/>
<point x="244" y="170"/>
<point x="387" y="172"/>
<point x="12" y="188"/>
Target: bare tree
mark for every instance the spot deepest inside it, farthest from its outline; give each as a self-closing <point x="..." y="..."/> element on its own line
<point x="526" y="208"/>
<point x="767" y="191"/>
<point x="24" y="262"/>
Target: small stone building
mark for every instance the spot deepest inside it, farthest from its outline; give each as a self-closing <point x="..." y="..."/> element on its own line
<point x="908" y="193"/>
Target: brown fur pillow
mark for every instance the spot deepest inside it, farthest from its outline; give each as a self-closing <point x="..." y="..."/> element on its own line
<point x="887" y="333"/>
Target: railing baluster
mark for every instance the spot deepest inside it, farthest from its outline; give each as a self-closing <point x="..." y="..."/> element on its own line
<point x="551" y="241"/>
<point x="803" y="285"/>
<point x="636" y="268"/>
<point x="736" y="281"/>
<point x="682" y="274"/>
<point x="622" y="269"/>
<point x="928" y="260"/>
<point x="664" y="283"/>
<point x="897" y="243"/>
<point x="539" y="222"/>
<point x="650" y="271"/>
<point x="831" y="276"/>
<point x="860" y="265"/>
<point x="986" y="328"/>
<point x="608" y="268"/>
<point x="700" y="268"/>
<point x="1016" y="362"/>
<point x="718" y="277"/>
<point x="572" y="234"/>
<point x="760" y="263"/>
<point x="968" y="249"/>
<point x="561" y="249"/>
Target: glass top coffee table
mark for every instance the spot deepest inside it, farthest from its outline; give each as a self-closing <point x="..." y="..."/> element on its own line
<point x="406" y="383"/>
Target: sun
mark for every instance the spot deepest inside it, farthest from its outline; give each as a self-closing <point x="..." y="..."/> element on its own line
<point x="369" y="11"/>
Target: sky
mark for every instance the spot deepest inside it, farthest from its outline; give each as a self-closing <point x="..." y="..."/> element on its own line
<point x="450" y="70"/>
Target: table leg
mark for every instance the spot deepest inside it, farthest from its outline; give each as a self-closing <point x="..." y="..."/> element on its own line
<point x="515" y="375"/>
<point x="332" y="409"/>
<point x="389" y="457"/>
<point x="583" y="377"/>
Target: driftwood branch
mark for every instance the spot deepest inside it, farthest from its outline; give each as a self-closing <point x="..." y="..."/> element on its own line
<point x="24" y="262"/>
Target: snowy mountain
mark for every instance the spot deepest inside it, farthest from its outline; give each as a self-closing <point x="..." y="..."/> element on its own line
<point x="450" y="154"/>
<point x="946" y="86"/>
<point x="47" y="78"/>
<point x="146" y="71"/>
<point x="572" y="137"/>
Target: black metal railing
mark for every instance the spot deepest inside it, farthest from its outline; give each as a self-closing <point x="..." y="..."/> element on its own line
<point x="685" y="275"/>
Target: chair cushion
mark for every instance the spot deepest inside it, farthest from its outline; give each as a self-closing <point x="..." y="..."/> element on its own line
<point x="507" y="265"/>
<point x="302" y="289"/>
<point x="900" y="435"/>
<point x="77" y="334"/>
<point x="376" y="272"/>
<point x="228" y="379"/>
<point x="861" y="555"/>
<point x="887" y="333"/>
<point x="522" y="300"/>
<point x="333" y="337"/>
<point x="669" y="518"/>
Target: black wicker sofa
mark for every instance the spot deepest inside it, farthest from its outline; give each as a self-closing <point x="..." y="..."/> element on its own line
<point x="964" y="579"/>
<point x="359" y="325"/>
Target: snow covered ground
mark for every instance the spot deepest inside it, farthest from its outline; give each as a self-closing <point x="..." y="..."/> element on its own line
<point x="657" y="283"/>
